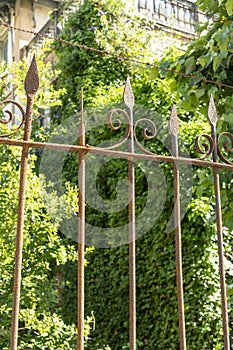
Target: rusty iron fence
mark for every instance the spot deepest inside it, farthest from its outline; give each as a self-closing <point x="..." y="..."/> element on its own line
<point x="210" y="148"/>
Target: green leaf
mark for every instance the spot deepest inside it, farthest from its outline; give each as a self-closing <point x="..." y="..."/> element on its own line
<point x="199" y="92"/>
<point x="229" y="7"/>
<point x="229" y="58"/>
<point x="229" y="119"/>
<point x="205" y="60"/>
<point x="222" y="37"/>
<point x="216" y="62"/>
<point x="190" y="65"/>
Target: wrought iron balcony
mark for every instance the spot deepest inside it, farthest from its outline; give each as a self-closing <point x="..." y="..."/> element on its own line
<point x="178" y="15"/>
<point x="50" y="28"/>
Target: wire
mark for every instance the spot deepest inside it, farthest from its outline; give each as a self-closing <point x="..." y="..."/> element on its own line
<point x="122" y="57"/>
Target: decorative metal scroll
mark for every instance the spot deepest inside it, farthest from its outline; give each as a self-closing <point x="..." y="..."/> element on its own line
<point x="202" y="147"/>
<point x="117" y="124"/>
<point x="225" y="146"/>
<point x="10" y="117"/>
<point x="212" y="144"/>
<point x="31" y="85"/>
<point x="205" y="144"/>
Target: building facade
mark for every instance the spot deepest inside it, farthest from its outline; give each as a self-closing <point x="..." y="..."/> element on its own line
<point x="178" y="16"/>
<point x="29" y="15"/>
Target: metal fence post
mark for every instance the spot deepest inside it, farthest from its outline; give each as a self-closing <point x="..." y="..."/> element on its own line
<point x="212" y="115"/>
<point x="31" y="86"/>
<point x="129" y="103"/>
<point x="81" y="232"/>
<point x="174" y="129"/>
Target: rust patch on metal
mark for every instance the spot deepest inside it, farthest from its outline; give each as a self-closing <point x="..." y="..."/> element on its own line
<point x="32" y="81"/>
<point x="128" y="94"/>
<point x="81" y="234"/>
<point x="212" y="112"/>
<point x="31" y="86"/>
<point x="10" y="116"/>
<point x="174" y="122"/>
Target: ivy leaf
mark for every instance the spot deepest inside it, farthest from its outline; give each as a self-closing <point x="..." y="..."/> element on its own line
<point x="229" y="60"/>
<point x="229" y="7"/>
<point x="222" y="37"/>
<point x="190" y="65"/>
<point x="205" y="60"/>
<point x="230" y="291"/>
<point x="216" y="62"/>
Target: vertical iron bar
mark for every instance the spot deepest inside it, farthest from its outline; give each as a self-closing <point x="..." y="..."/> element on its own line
<point x="212" y="114"/>
<point x="221" y="259"/>
<point x="132" y="246"/>
<point x="81" y="232"/>
<point x="129" y="102"/>
<point x="31" y="86"/>
<point x="179" y="275"/>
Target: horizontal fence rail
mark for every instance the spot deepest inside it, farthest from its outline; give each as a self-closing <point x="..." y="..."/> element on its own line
<point x="211" y="147"/>
<point x="114" y="153"/>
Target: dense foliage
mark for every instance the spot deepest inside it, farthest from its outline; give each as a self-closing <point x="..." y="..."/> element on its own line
<point x="101" y="24"/>
<point x="41" y="325"/>
<point x="114" y="27"/>
<point x="209" y="56"/>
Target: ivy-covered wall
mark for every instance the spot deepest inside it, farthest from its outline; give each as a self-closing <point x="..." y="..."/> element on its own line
<point x="105" y="26"/>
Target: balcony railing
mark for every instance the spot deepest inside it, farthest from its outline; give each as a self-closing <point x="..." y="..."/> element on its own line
<point x="179" y="16"/>
<point x="50" y="29"/>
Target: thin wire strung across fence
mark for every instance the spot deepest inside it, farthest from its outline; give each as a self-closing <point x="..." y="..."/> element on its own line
<point x="117" y="56"/>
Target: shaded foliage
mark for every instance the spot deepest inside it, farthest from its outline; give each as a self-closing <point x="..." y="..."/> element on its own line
<point x="107" y="272"/>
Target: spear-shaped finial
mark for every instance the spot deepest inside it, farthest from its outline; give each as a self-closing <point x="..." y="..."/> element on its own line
<point x="31" y="83"/>
<point x="174" y="122"/>
<point x="128" y="94"/>
<point x="213" y="118"/>
<point x="212" y="112"/>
